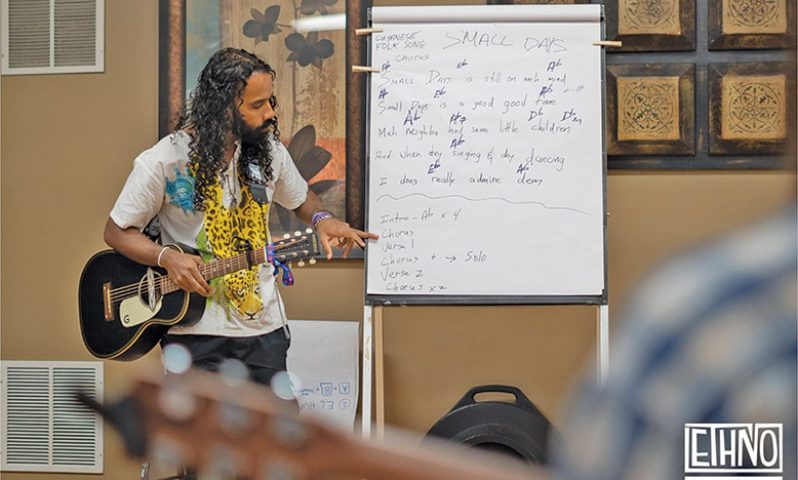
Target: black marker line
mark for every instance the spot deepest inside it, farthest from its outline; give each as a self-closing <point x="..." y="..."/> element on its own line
<point x="481" y="200"/>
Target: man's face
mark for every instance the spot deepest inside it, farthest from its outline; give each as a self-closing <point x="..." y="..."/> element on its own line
<point x="256" y="112"/>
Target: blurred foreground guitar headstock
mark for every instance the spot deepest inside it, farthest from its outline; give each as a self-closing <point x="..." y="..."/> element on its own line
<point x="232" y="428"/>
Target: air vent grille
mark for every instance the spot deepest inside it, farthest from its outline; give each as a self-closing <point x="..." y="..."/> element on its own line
<point x="52" y="36"/>
<point x="47" y="429"/>
<point x="28" y="33"/>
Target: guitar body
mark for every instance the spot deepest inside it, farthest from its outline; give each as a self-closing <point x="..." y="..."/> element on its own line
<point x="125" y="308"/>
<point x="134" y="328"/>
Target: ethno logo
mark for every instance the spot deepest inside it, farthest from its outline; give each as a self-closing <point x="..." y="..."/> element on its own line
<point x="726" y="449"/>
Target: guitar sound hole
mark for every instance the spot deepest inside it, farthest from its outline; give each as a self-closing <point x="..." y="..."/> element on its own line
<point x="144" y="289"/>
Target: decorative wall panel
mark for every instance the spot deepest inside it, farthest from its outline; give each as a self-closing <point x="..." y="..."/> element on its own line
<point x="750" y="107"/>
<point x="651" y="25"/>
<point x="751" y="24"/>
<point x="650" y="109"/>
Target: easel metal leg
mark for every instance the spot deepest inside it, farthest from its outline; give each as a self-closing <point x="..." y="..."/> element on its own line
<point x="603" y="334"/>
<point x="367" y="371"/>
<point x="379" y="374"/>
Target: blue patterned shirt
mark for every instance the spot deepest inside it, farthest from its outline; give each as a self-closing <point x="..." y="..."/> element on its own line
<point x="710" y="338"/>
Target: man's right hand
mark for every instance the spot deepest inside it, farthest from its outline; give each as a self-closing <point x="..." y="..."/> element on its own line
<point x="183" y="268"/>
<point x="184" y="271"/>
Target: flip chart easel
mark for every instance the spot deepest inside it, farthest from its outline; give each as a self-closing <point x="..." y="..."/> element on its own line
<point x="486" y="164"/>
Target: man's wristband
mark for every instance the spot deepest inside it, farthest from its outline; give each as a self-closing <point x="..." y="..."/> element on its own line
<point x="160" y="254"/>
<point x="319" y="216"/>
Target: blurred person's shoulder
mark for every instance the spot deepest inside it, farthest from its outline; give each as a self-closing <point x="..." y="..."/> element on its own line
<point x="709" y="336"/>
<point x="719" y="271"/>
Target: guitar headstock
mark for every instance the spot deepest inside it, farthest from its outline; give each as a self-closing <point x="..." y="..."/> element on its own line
<point x="297" y="247"/>
<point x="230" y="428"/>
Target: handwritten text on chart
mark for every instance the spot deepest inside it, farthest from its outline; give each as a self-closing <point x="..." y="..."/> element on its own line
<point x="471" y="125"/>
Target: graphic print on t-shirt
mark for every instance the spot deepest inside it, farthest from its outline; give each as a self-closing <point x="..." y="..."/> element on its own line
<point x="226" y="230"/>
<point x="180" y="190"/>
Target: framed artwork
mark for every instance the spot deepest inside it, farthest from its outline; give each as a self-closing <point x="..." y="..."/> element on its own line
<point x="310" y="86"/>
<point x="752" y="106"/>
<point x="651" y="25"/>
<point x="751" y="24"/>
<point x="650" y="109"/>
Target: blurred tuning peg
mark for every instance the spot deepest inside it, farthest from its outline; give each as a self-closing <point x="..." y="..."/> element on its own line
<point x="165" y="454"/>
<point x="176" y="404"/>
<point x="223" y="464"/>
<point x="289" y="431"/>
<point x="234" y="373"/>
<point x="176" y="358"/>
<point x="312" y="261"/>
<point x="234" y="420"/>
<point x="301" y="263"/>
<point x="286" y="235"/>
<point x="277" y="470"/>
<point x="297" y="233"/>
<point x="308" y="231"/>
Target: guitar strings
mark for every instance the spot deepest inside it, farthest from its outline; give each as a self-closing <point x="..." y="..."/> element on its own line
<point x="126" y="290"/>
<point x="160" y="284"/>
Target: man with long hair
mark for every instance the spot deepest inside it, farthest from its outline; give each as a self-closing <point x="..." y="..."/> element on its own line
<point x="210" y="184"/>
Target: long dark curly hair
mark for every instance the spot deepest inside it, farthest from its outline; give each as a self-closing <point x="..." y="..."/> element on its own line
<point x="212" y="112"/>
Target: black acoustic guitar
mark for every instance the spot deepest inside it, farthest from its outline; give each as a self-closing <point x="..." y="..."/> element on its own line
<point x="126" y="307"/>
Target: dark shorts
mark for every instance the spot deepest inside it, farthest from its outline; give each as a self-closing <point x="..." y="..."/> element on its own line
<point x="264" y="355"/>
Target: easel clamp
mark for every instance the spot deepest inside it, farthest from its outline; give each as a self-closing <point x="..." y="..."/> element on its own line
<point x="367" y="31"/>
<point x="608" y="43"/>
<point x="365" y="69"/>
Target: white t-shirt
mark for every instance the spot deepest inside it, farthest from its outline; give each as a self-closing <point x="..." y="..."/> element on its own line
<point x="160" y="184"/>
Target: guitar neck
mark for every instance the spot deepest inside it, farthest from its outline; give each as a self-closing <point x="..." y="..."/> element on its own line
<point x="221" y="267"/>
<point x="297" y="247"/>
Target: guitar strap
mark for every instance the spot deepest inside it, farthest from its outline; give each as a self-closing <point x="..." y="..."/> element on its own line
<point x="153" y="229"/>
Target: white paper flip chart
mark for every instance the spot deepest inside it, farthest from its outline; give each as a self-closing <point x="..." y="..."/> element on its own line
<point x="485" y="152"/>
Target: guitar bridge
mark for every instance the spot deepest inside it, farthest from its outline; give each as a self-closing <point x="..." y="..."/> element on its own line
<point x="107" y="307"/>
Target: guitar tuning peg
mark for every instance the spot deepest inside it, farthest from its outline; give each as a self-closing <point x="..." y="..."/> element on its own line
<point x="308" y="231"/>
<point x="301" y="263"/>
<point x="278" y="470"/>
<point x="297" y="233"/>
<point x="286" y="235"/>
<point x="165" y="454"/>
<point x="176" y="358"/>
<point x="285" y="385"/>
<point x="223" y="463"/>
<point x="290" y="432"/>
<point x="234" y="419"/>
<point x="176" y="404"/>
<point x="234" y="373"/>
<point x="312" y="261"/>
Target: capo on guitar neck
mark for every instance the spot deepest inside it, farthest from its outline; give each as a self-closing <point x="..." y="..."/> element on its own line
<point x="243" y="245"/>
<point x="288" y="276"/>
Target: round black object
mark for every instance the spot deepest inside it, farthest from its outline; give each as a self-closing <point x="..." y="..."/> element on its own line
<point x="517" y="429"/>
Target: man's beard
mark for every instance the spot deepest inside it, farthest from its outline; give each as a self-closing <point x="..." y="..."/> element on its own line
<point x="251" y="135"/>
